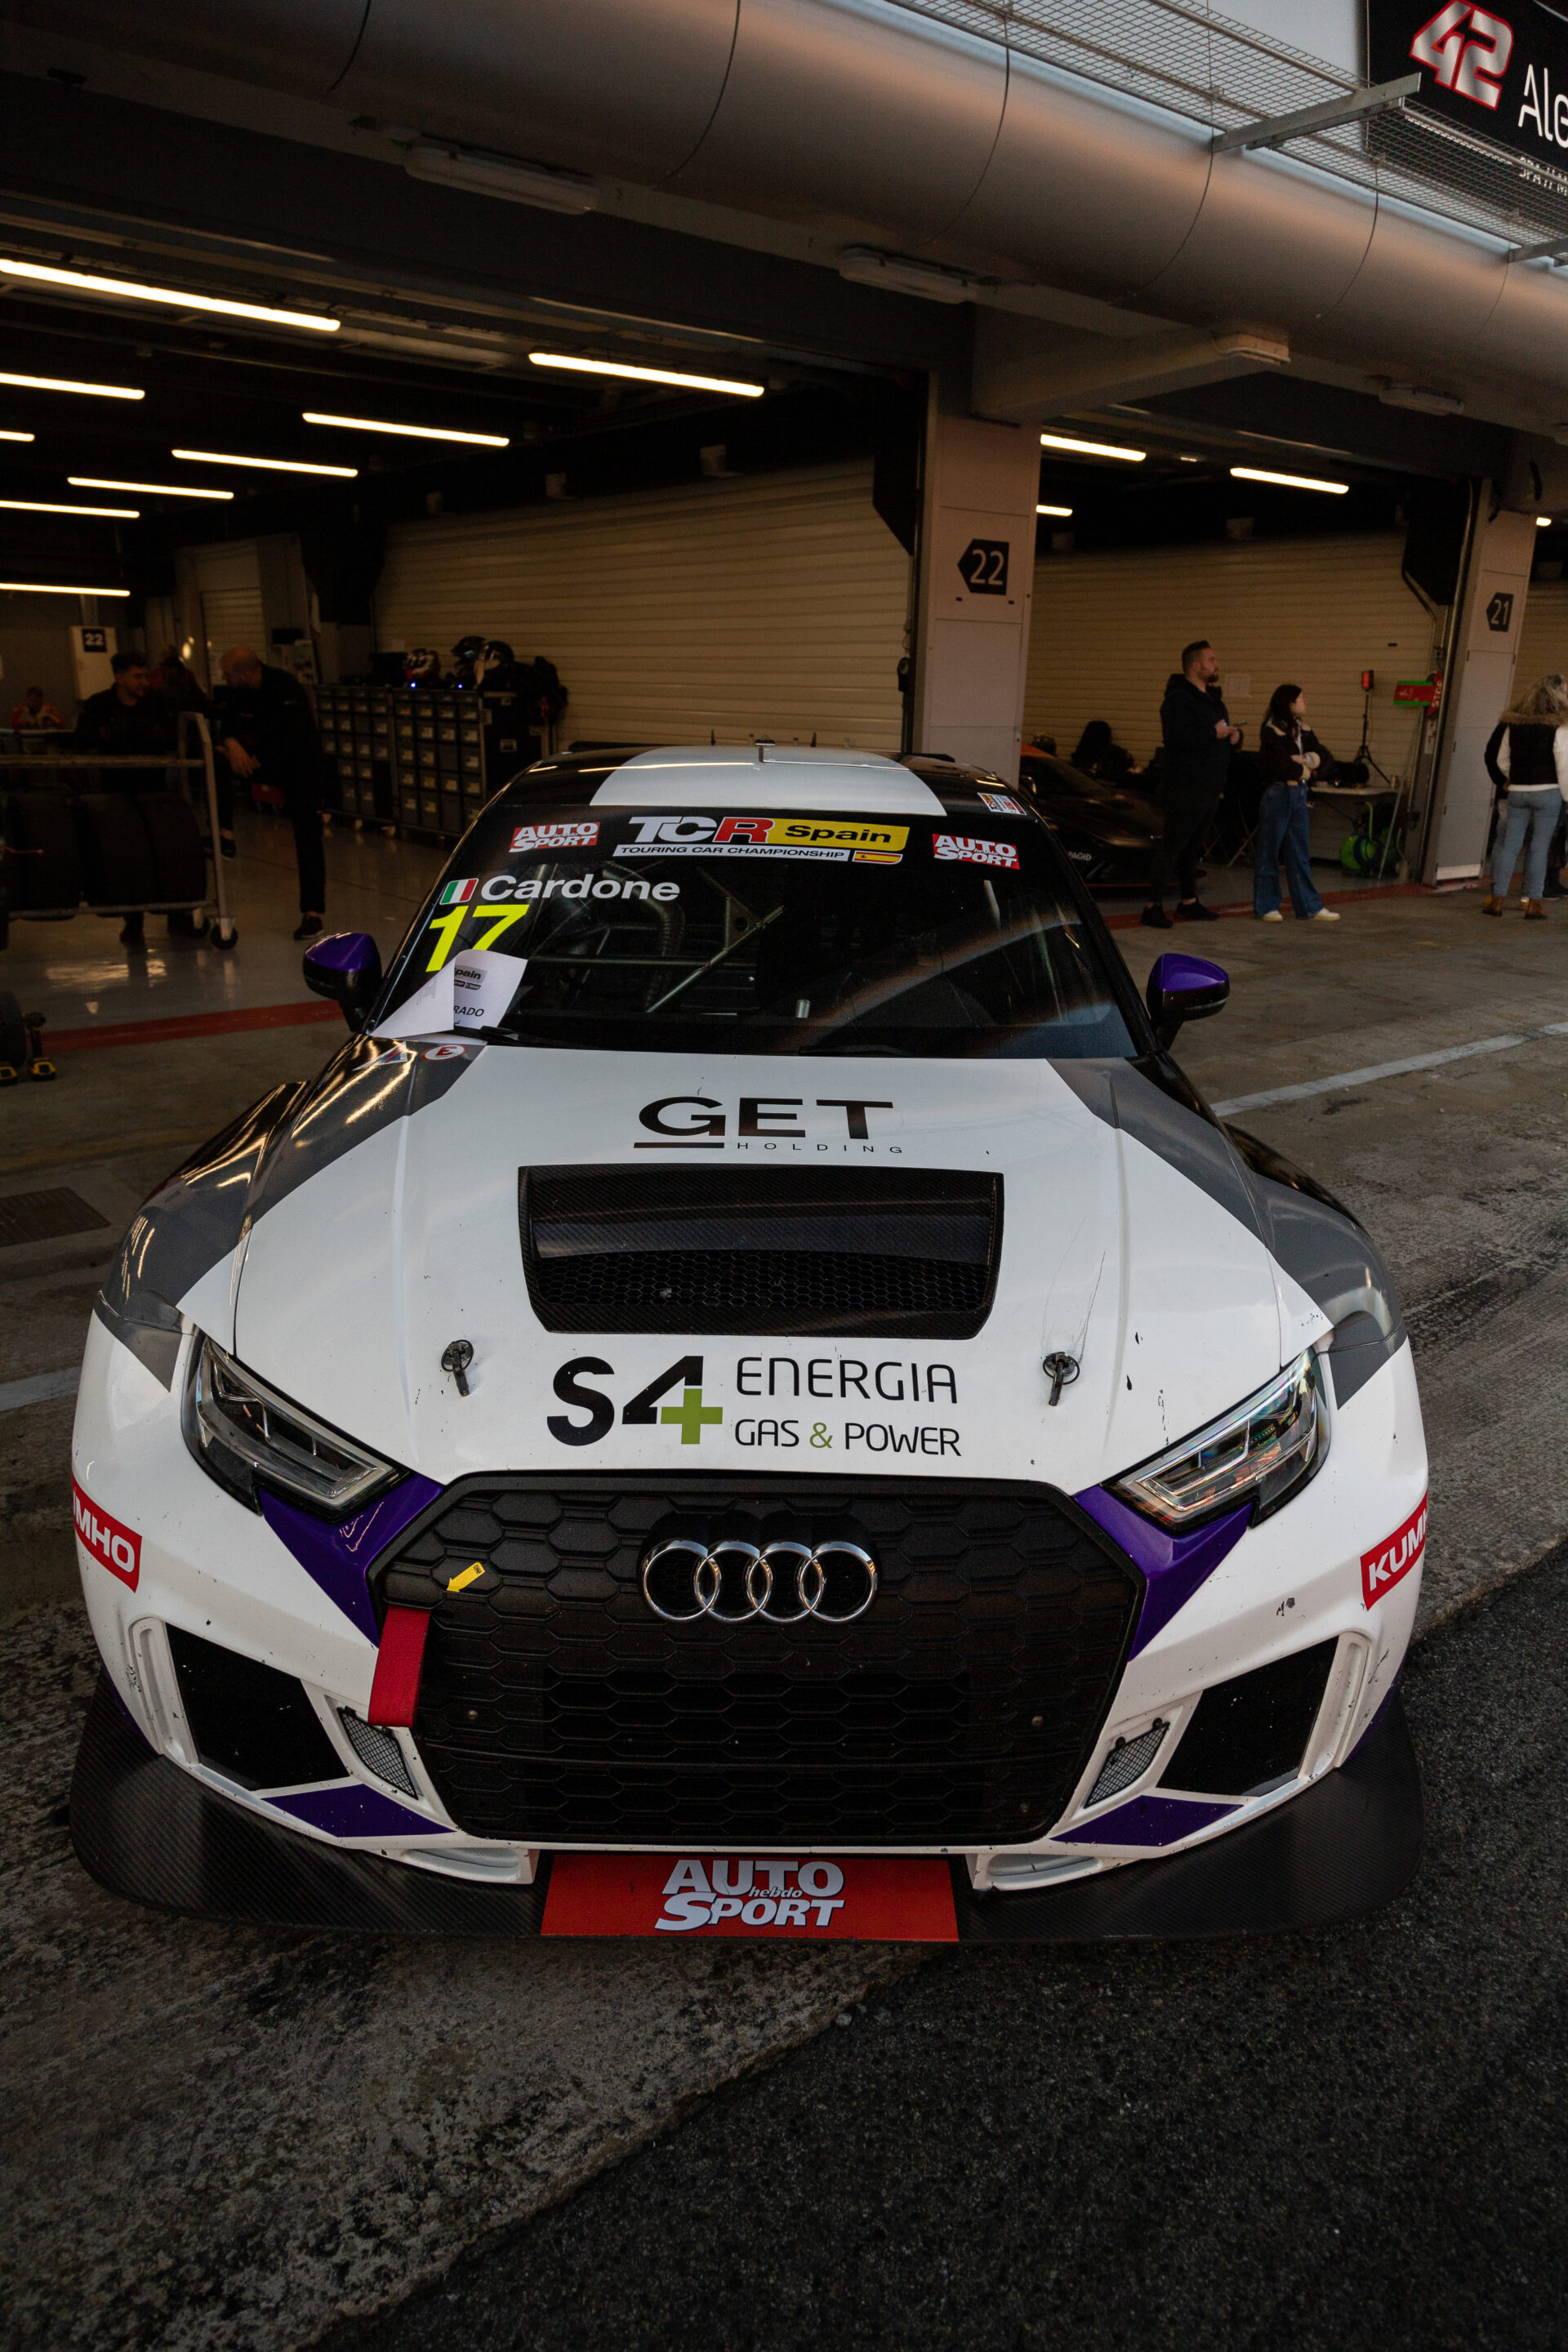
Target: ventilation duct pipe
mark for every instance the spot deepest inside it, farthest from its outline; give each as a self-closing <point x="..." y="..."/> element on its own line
<point x="874" y="124"/>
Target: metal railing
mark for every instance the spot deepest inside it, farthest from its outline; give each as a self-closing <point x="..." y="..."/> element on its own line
<point x="1190" y="61"/>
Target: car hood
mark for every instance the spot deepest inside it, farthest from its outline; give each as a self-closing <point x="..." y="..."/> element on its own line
<point x="384" y="1224"/>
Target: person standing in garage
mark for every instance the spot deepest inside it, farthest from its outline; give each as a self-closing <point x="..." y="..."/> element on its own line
<point x="123" y="722"/>
<point x="1199" y="739"/>
<point x="1527" y="759"/>
<point x="1289" y="756"/>
<point x="266" y="728"/>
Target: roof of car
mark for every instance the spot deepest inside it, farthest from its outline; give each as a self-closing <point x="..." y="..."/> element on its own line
<point x="762" y="774"/>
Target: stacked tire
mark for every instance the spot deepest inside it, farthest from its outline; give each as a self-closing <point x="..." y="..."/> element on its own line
<point x="43" y="866"/>
<point x="138" y="850"/>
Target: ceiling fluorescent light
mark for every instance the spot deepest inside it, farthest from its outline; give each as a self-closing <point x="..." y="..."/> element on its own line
<point x="269" y="464"/>
<point x="19" y="436"/>
<point x="1054" y="510"/>
<point x="646" y="375"/>
<point x="124" y="289"/>
<point x="503" y="176"/>
<point x="64" y="383"/>
<point x="1289" y="481"/>
<point x="146" y="489"/>
<point x="53" y="588"/>
<point x="1416" y="396"/>
<point x="865" y="265"/>
<point x="414" y="432"/>
<point x="1093" y="448"/>
<point x="47" y="505"/>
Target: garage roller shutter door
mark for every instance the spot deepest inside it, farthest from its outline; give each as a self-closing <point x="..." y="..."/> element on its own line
<point x="1543" y="638"/>
<point x="232" y="616"/>
<point x="770" y="605"/>
<point x="1108" y="629"/>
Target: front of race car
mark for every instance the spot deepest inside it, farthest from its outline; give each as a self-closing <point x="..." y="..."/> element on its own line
<point x="562" y="1429"/>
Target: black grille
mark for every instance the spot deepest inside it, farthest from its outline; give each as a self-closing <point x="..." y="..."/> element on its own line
<point x="864" y="1252"/>
<point x="958" y="1711"/>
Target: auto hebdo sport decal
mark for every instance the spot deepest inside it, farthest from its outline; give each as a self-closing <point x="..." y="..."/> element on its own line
<point x="838" y="839"/>
<point x="787" y="1415"/>
<point x="115" y="1548"/>
<point x="880" y="1898"/>
<point x="963" y="848"/>
<point x="1388" y="1562"/>
<point x="1003" y="803"/>
<point x="580" y="834"/>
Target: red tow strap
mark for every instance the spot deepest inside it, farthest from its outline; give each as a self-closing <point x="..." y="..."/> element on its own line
<point x="394" y="1692"/>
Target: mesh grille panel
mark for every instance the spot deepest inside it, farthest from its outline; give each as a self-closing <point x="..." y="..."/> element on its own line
<point x="870" y="1254"/>
<point x="378" y="1750"/>
<point x="556" y="1707"/>
<point x="1128" y="1762"/>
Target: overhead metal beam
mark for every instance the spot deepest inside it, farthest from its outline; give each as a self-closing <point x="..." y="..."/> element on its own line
<point x="1383" y="98"/>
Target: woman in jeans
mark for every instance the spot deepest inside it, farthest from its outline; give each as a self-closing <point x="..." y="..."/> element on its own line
<point x="1289" y="756"/>
<point x="1527" y="759"/>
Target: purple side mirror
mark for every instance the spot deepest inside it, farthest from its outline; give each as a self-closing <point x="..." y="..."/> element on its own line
<point x="345" y="966"/>
<point x="1184" y="988"/>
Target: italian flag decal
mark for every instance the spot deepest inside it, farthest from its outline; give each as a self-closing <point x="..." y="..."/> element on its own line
<point x="458" y="894"/>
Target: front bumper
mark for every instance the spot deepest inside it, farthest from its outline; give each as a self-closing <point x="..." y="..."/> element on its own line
<point x="156" y="1835"/>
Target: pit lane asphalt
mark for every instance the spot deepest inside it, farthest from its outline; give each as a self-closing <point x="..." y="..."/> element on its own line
<point x="224" y="2139"/>
<point x="1358" y="2138"/>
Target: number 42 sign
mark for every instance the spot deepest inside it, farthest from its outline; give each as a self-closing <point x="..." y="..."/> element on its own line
<point x="984" y="564"/>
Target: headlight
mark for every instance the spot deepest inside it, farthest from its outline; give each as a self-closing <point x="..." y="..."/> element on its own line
<point x="1263" y="1452"/>
<point x="244" y="1434"/>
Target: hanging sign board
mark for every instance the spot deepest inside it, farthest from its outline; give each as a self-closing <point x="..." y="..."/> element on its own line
<point x="1503" y="76"/>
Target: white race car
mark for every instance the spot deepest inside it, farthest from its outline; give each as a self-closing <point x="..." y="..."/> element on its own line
<point x="561" y="1471"/>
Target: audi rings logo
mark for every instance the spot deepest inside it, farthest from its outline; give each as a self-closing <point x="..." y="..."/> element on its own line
<point x="784" y="1581"/>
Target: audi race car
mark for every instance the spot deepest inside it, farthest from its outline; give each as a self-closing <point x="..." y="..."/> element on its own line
<point x="562" y="1471"/>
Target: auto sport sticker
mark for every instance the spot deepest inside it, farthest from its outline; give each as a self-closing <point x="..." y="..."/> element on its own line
<point x="1003" y="803"/>
<point x="115" y="1548"/>
<point x="840" y="840"/>
<point x="1388" y="1562"/>
<point x="578" y="835"/>
<point x="963" y="847"/>
<point x="877" y="1897"/>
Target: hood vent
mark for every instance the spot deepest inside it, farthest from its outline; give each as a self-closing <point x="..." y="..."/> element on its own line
<point x="864" y="1254"/>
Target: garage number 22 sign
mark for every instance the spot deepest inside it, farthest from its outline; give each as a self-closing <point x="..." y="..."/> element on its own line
<point x="984" y="564"/>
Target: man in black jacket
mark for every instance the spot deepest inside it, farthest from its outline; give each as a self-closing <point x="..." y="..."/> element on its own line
<point x="1199" y="740"/>
<point x="266" y="728"/>
<point x="123" y="722"/>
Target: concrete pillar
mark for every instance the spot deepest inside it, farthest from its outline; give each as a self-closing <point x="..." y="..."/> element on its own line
<point x="1478" y="688"/>
<point x="975" y="589"/>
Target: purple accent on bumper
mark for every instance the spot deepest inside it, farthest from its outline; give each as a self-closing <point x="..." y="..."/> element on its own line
<point x="1148" y="1821"/>
<point x="353" y="1811"/>
<point x="1174" y="1565"/>
<point x="339" y="1555"/>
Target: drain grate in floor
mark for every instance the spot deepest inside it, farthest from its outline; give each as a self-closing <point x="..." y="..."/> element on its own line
<point x="45" y="1216"/>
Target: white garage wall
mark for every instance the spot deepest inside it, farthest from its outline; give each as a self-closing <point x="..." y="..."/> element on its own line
<point x="768" y="605"/>
<point x="1108" y="629"/>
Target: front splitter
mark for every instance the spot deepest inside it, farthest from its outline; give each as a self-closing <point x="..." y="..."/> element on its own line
<point x="156" y="1835"/>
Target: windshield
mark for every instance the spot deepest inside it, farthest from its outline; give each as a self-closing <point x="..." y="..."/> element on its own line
<point x="685" y="930"/>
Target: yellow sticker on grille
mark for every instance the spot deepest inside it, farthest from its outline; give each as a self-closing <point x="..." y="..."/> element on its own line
<point x="466" y="1576"/>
